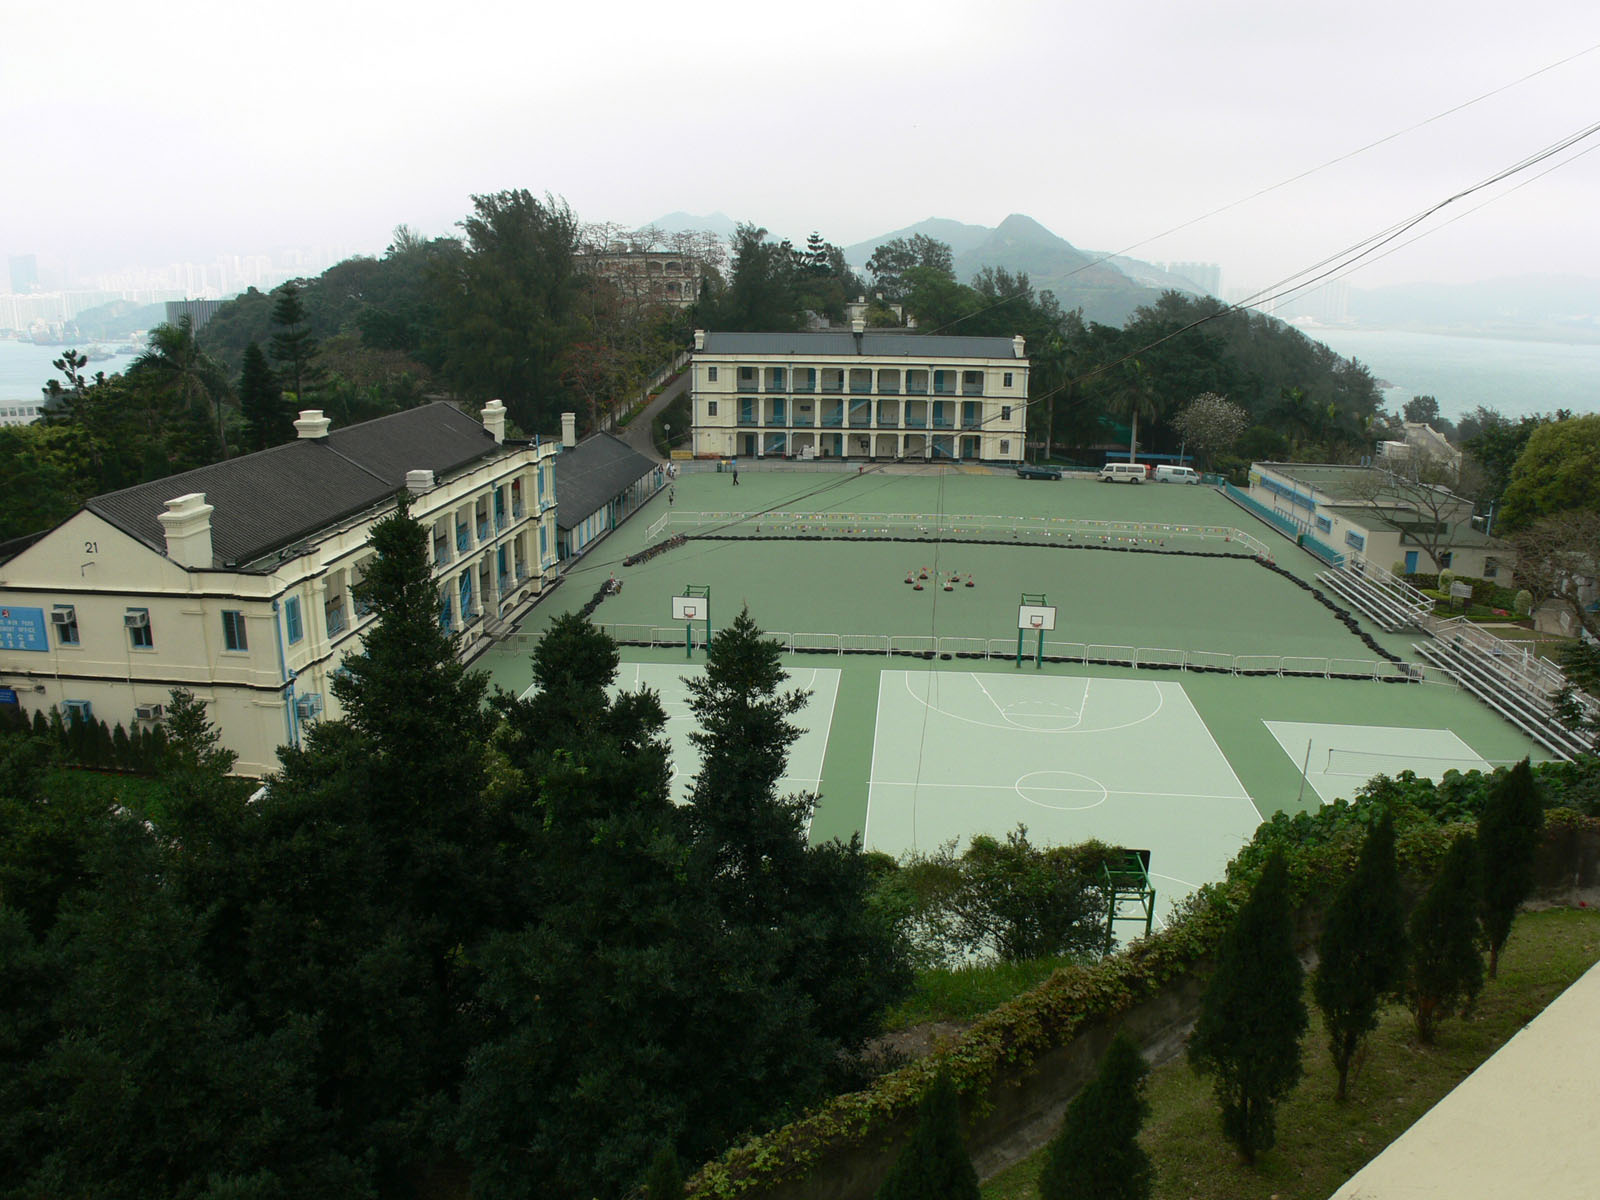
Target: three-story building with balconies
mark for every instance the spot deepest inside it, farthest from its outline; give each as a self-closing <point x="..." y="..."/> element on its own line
<point x="237" y="580"/>
<point x="883" y="394"/>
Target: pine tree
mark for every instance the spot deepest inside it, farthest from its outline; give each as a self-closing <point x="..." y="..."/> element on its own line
<point x="1363" y="950"/>
<point x="267" y="419"/>
<point x="1446" y="968"/>
<point x="934" y="1164"/>
<point x="665" y="1180"/>
<point x="1096" y="1155"/>
<point x="1508" y="837"/>
<point x="1253" y="1015"/>
<point x="293" y="347"/>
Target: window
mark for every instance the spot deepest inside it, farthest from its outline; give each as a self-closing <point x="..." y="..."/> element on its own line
<point x="1491" y="568"/>
<point x="1005" y="446"/>
<point x="77" y="710"/>
<point x="233" y="635"/>
<point x="1325" y="524"/>
<point x="65" y="618"/>
<point x="1354" y="540"/>
<point x="140" y="636"/>
<point x="1008" y="379"/>
<point x="1444" y="560"/>
<point x="1005" y="412"/>
<point x="711" y="374"/>
<point x="711" y="408"/>
<point x="293" y="626"/>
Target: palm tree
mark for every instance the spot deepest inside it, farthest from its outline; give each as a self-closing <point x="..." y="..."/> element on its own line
<point x="183" y="370"/>
<point x="1133" y="396"/>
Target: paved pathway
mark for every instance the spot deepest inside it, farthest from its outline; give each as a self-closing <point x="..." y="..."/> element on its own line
<point x="637" y="434"/>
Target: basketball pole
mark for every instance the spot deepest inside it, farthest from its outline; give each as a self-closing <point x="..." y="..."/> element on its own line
<point x="1304" y="767"/>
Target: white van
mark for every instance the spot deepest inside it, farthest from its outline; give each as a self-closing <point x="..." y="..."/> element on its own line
<point x="1177" y="475"/>
<point x="1122" y="473"/>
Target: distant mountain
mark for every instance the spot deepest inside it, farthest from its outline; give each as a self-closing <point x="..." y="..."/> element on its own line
<point x="681" y="222"/>
<point x="1106" y="291"/>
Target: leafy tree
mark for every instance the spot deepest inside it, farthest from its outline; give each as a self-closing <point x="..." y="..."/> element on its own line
<point x="1556" y="557"/>
<point x="1132" y="395"/>
<point x="293" y="347"/>
<point x="1446" y="968"/>
<point x="893" y="261"/>
<point x="1211" y="423"/>
<point x="1557" y="471"/>
<point x="1096" y="1154"/>
<point x="1363" y="949"/>
<point x="177" y="366"/>
<point x="763" y="285"/>
<point x="1423" y="409"/>
<point x="934" y="1164"/>
<point x="267" y="419"/>
<point x="1019" y="902"/>
<point x="1253" y="1015"/>
<point x="509" y="299"/>
<point x="1509" y="829"/>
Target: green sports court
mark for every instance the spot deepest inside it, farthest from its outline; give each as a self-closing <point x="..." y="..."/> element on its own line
<point x="1197" y="691"/>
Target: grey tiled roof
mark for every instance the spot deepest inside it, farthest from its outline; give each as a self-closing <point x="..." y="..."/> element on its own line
<point x="842" y="344"/>
<point x="271" y="499"/>
<point x="592" y="473"/>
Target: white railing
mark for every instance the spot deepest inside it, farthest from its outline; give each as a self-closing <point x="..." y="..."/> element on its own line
<point x="1092" y="654"/>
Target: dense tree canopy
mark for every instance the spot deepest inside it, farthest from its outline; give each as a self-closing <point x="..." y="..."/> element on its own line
<point x="1557" y="471"/>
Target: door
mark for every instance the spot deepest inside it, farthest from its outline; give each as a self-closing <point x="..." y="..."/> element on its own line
<point x="1411" y="562"/>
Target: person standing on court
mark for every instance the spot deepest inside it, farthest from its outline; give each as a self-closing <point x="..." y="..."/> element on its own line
<point x="735" y="472"/>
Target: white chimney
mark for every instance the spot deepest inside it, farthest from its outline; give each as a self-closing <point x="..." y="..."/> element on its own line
<point x="699" y="339"/>
<point x="312" y="424"/>
<point x="494" y="419"/>
<point x="418" y="482"/>
<point x="1017" y="344"/>
<point x="187" y="522"/>
<point x="569" y="430"/>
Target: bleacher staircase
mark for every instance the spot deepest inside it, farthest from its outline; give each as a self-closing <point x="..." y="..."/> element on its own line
<point x="1507" y="676"/>
<point x="1391" y="603"/>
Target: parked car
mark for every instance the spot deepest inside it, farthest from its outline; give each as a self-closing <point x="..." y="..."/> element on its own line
<point x="1123" y="472"/>
<point x="1036" y="471"/>
<point x="1165" y="474"/>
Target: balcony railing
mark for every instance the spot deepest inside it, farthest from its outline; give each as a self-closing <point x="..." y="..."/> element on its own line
<point x="916" y="422"/>
<point x="972" y="389"/>
<point x="499" y="521"/>
<point x="516" y="510"/>
<point x="506" y="584"/>
<point x="943" y="423"/>
<point x="802" y="422"/>
<point x="334" y="614"/>
<point x="888" y="389"/>
<point x="804" y="385"/>
<point x="483" y="530"/>
<point x="971" y="423"/>
<point x="747" y="385"/>
<point x="833" y="387"/>
<point x="832" y="420"/>
<point x="463" y="539"/>
<point x="441" y="553"/>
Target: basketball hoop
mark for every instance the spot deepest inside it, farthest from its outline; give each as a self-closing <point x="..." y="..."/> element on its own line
<point x="1036" y="620"/>
<point x="689" y="612"/>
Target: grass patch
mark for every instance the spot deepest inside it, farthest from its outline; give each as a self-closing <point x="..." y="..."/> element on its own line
<point x="967" y="993"/>
<point x="138" y="793"/>
<point x="1320" y="1143"/>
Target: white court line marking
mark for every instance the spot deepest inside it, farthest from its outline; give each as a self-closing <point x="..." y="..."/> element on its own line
<point x="1151" y="715"/>
<point x="1244" y="793"/>
<point x="1005" y="712"/>
<point x="872" y="771"/>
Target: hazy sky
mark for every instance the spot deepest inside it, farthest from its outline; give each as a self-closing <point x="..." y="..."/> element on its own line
<point x="139" y="134"/>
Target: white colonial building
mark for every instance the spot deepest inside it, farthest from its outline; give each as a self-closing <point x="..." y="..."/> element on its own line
<point x="882" y="394"/>
<point x="235" y="580"/>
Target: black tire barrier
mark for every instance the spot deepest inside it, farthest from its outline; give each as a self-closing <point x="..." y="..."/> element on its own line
<point x="649" y="552"/>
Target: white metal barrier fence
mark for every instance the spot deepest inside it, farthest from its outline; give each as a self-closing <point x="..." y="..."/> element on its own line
<point x="927" y="646"/>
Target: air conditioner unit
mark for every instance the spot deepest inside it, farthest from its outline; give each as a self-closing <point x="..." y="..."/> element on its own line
<point x="148" y="712"/>
<point x="308" y="706"/>
<point x="63" y="616"/>
<point x="136" y="620"/>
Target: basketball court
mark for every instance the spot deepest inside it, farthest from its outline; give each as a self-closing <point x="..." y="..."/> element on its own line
<point x="1125" y="761"/>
